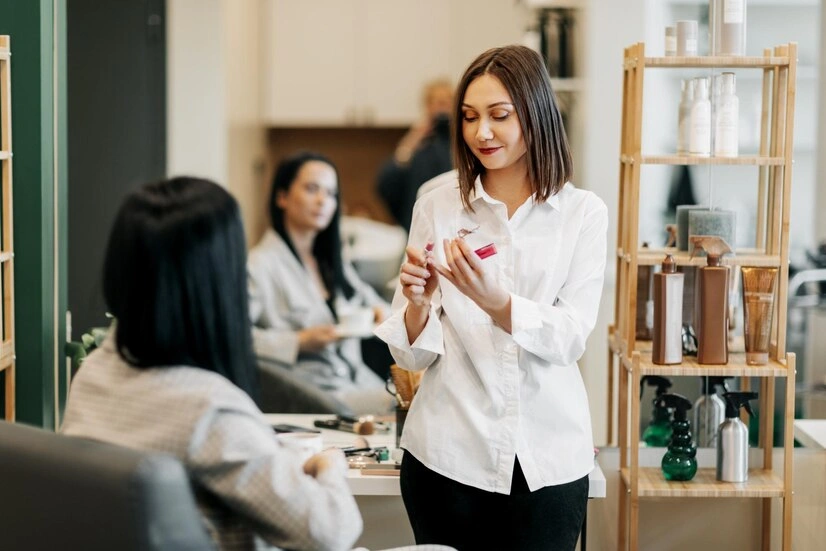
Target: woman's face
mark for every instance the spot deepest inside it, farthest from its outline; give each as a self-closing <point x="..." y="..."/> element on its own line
<point x="490" y="125"/>
<point x="311" y="200"/>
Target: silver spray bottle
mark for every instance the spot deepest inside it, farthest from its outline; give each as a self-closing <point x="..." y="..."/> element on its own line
<point x="709" y="411"/>
<point x="733" y="439"/>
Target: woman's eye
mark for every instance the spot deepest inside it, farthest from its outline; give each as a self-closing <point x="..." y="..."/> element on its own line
<point x="469" y="117"/>
<point x="500" y="115"/>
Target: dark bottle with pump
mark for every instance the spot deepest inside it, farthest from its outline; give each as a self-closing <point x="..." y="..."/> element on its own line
<point x="658" y="432"/>
<point x="711" y="314"/>
<point x="679" y="462"/>
<point x="733" y="439"/>
<point x="709" y="411"/>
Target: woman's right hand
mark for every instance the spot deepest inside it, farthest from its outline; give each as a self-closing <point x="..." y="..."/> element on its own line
<point x="417" y="281"/>
<point x="317" y="338"/>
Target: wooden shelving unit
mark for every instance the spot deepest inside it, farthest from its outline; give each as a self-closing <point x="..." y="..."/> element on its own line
<point x="631" y="359"/>
<point x="7" y="356"/>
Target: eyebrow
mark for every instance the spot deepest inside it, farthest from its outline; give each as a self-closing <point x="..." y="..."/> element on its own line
<point x="497" y="104"/>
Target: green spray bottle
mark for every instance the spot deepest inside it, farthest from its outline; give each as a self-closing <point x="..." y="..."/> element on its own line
<point x="658" y="432"/>
<point x="679" y="462"/>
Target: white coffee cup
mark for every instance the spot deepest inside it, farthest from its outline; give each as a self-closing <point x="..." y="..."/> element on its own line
<point x="305" y="444"/>
<point x="356" y="322"/>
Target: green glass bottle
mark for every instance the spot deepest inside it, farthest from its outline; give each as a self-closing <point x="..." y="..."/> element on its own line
<point x="679" y="462"/>
<point x="658" y="432"/>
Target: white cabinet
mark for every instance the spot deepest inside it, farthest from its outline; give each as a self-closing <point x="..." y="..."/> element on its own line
<point x="308" y="62"/>
<point x="350" y="62"/>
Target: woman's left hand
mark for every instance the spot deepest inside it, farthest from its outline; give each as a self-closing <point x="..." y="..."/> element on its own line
<point x="466" y="272"/>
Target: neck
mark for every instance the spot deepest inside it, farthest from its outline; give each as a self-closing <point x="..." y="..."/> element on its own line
<point x="302" y="240"/>
<point x="509" y="185"/>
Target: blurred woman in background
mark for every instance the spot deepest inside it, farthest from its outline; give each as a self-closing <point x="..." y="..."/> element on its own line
<point x="300" y="290"/>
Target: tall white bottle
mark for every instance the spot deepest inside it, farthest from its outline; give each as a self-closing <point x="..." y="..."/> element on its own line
<point x="684" y="117"/>
<point x="699" y="143"/>
<point x="727" y="119"/>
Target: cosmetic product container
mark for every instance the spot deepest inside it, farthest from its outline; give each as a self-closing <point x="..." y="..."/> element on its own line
<point x="684" y="116"/>
<point x="721" y="223"/>
<point x="670" y="41"/>
<point x="699" y="140"/>
<point x="727" y="23"/>
<point x="658" y="432"/>
<point x="711" y="310"/>
<point x="709" y="411"/>
<point x="733" y="439"/>
<point x="687" y="38"/>
<point x="668" y="314"/>
<point x="759" y="285"/>
<point x="726" y="118"/>
<point x="679" y="462"/>
<point x="682" y="224"/>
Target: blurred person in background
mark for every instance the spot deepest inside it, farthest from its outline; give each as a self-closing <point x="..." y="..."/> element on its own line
<point x="176" y="374"/>
<point x="421" y="154"/>
<point x="300" y="287"/>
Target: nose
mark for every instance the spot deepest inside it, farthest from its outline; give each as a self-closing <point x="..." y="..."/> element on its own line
<point x="483" y="132"/>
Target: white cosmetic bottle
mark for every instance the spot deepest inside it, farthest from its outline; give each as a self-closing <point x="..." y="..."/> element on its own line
<point x="684" y="116"/>
<point x="727" y="119"/>
<point x="699" y="143"/>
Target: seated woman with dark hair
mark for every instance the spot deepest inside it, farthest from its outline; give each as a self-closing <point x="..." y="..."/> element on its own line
<point x="176" y="373"/>
<point x="300" y="287"/>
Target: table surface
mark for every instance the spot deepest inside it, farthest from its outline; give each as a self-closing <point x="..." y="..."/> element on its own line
<point x="372" y="485"/>
<point x="811" y="432"/>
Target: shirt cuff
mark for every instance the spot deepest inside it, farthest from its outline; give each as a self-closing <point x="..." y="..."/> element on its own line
<point x="394" y="332"/>
<point x="525" y="316"/>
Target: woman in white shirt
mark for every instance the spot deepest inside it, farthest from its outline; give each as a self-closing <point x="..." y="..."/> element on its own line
<point x="176" y="372"/>
<point x="300" y="287"/>
<point x="499" y="433"/>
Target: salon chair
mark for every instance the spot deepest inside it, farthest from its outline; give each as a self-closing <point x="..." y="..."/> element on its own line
<point x="282" y="391"/>
<point x="61" y="492"/>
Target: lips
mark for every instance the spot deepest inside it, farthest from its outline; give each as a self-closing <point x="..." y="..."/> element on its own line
<point x="488" y="150"/>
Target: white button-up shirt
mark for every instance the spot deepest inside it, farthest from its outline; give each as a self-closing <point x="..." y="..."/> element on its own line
<point x="488" y="396"/>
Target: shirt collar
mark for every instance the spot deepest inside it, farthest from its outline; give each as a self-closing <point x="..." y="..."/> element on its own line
<point x="481" y="195"/>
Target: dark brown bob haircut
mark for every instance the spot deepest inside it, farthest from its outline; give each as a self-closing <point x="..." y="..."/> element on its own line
<point x="523" y="74"/>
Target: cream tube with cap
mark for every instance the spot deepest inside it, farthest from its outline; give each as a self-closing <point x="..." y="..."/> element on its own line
<point x="668" y="314"/>
<point x="758" y="308"/>
<point x="711" y="314"/>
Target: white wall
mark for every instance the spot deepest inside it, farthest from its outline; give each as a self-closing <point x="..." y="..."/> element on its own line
<point x="196" y="90"/>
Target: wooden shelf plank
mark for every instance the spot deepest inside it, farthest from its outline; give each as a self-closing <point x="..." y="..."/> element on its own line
<point x="5" y="257"/>
<point x="742" y="257"/>
<point x="650" y="483"/>
<point x="736" y="367"/>
<point x="747" y="160"/>
<point x="4" y="155"/>
<point x="718" y="61"/>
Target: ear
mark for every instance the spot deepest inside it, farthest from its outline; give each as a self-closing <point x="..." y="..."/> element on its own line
<point x="281" y="199"/>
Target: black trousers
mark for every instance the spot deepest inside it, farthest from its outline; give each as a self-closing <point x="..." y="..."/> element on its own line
<point x="443" y="511"/>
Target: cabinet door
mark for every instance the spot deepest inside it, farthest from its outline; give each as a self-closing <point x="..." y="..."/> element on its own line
<point x="403" y="45"/>
<point x="309" y="62"/>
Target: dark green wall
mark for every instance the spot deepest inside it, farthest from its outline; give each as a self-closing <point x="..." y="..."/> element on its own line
<point x="40" y="199"/>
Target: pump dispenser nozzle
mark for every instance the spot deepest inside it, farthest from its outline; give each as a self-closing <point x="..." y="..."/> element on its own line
<point x="737" y="400"/>
<point x="679" y="462"/>
<point x="661" y="383"/>
<point x="714" y="246"/>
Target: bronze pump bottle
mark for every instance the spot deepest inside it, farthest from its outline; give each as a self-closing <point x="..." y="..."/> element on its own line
<point x="712" y="289"/>
<point x="667" y="347"/>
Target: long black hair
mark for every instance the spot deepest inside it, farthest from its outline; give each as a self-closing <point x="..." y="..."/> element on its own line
<point x="327" y="245"/>
<point x="175" y="280"/>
